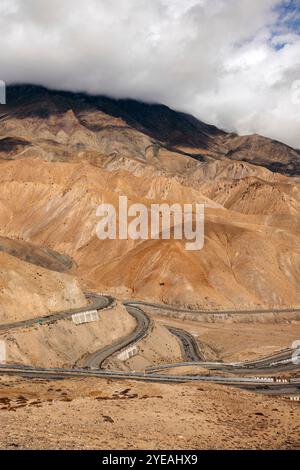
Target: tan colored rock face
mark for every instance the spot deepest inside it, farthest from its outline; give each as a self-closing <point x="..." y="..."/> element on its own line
<point x="28" y="291"/>
<point x="69" y="154"/>
<point x="247" y="260"/>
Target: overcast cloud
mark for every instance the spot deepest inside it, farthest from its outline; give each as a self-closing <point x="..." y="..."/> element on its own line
<point x="229" y="62"/>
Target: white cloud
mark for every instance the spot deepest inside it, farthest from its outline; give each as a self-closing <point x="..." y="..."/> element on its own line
<point x="222" y="60"/>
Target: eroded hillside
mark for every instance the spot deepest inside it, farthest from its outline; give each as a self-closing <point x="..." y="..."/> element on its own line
<point x="63" y="154"/>
<point x="28" y="291"/>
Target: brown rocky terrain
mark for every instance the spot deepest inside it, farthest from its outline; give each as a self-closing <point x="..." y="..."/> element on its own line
<point x="92" y="414"/>
<point x="62" y="154"/>
<point x="28" y="291"/>
<point x="39" y="256"/>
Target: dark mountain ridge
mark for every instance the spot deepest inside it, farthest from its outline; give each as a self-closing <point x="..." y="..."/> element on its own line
<point x="165" y="127"/>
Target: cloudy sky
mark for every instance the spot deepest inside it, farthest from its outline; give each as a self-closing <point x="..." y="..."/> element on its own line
<point x="233" y="63"/>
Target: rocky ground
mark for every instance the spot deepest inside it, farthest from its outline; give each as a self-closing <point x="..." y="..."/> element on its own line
<point x="98" y="414"/>
<point x="28" y="291"/>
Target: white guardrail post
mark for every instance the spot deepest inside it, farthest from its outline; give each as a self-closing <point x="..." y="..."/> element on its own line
<point x="85" y="317"/>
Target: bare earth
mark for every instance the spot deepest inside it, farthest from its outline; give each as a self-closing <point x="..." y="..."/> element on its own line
<point x="97" y="414"/>
<point x="238" y="341"/>
<point x="28" y="291"/>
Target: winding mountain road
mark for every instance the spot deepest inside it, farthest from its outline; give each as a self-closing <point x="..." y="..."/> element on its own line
<point x="190" y="347"/>
<point x="96" y="360"/>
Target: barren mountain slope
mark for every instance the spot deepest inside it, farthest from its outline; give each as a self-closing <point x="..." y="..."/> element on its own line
<point x="63" y="154"/>
<point x="263" y="151"/>
<point x="28" y="291"/>
<point x="59" y="126"/>
<point x="247" y="259"/>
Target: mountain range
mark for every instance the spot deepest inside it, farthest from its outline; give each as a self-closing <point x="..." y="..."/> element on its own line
<point x="62" y="154"/>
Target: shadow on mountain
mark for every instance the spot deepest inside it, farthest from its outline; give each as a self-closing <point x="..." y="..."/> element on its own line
<point x="155" y="120"/>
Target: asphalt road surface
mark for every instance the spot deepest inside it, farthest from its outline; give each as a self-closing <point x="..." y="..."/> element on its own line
<point x="190" y="346"/>
<point x="221" y="312"/>
<point x="96" y="360"/>
<point x="97" y="303"/>
<point x="277" y="362"/>
<point x="241" y="382"/>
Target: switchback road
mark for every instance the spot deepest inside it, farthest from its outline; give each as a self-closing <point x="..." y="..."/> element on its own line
<point x="96" y="360"/>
